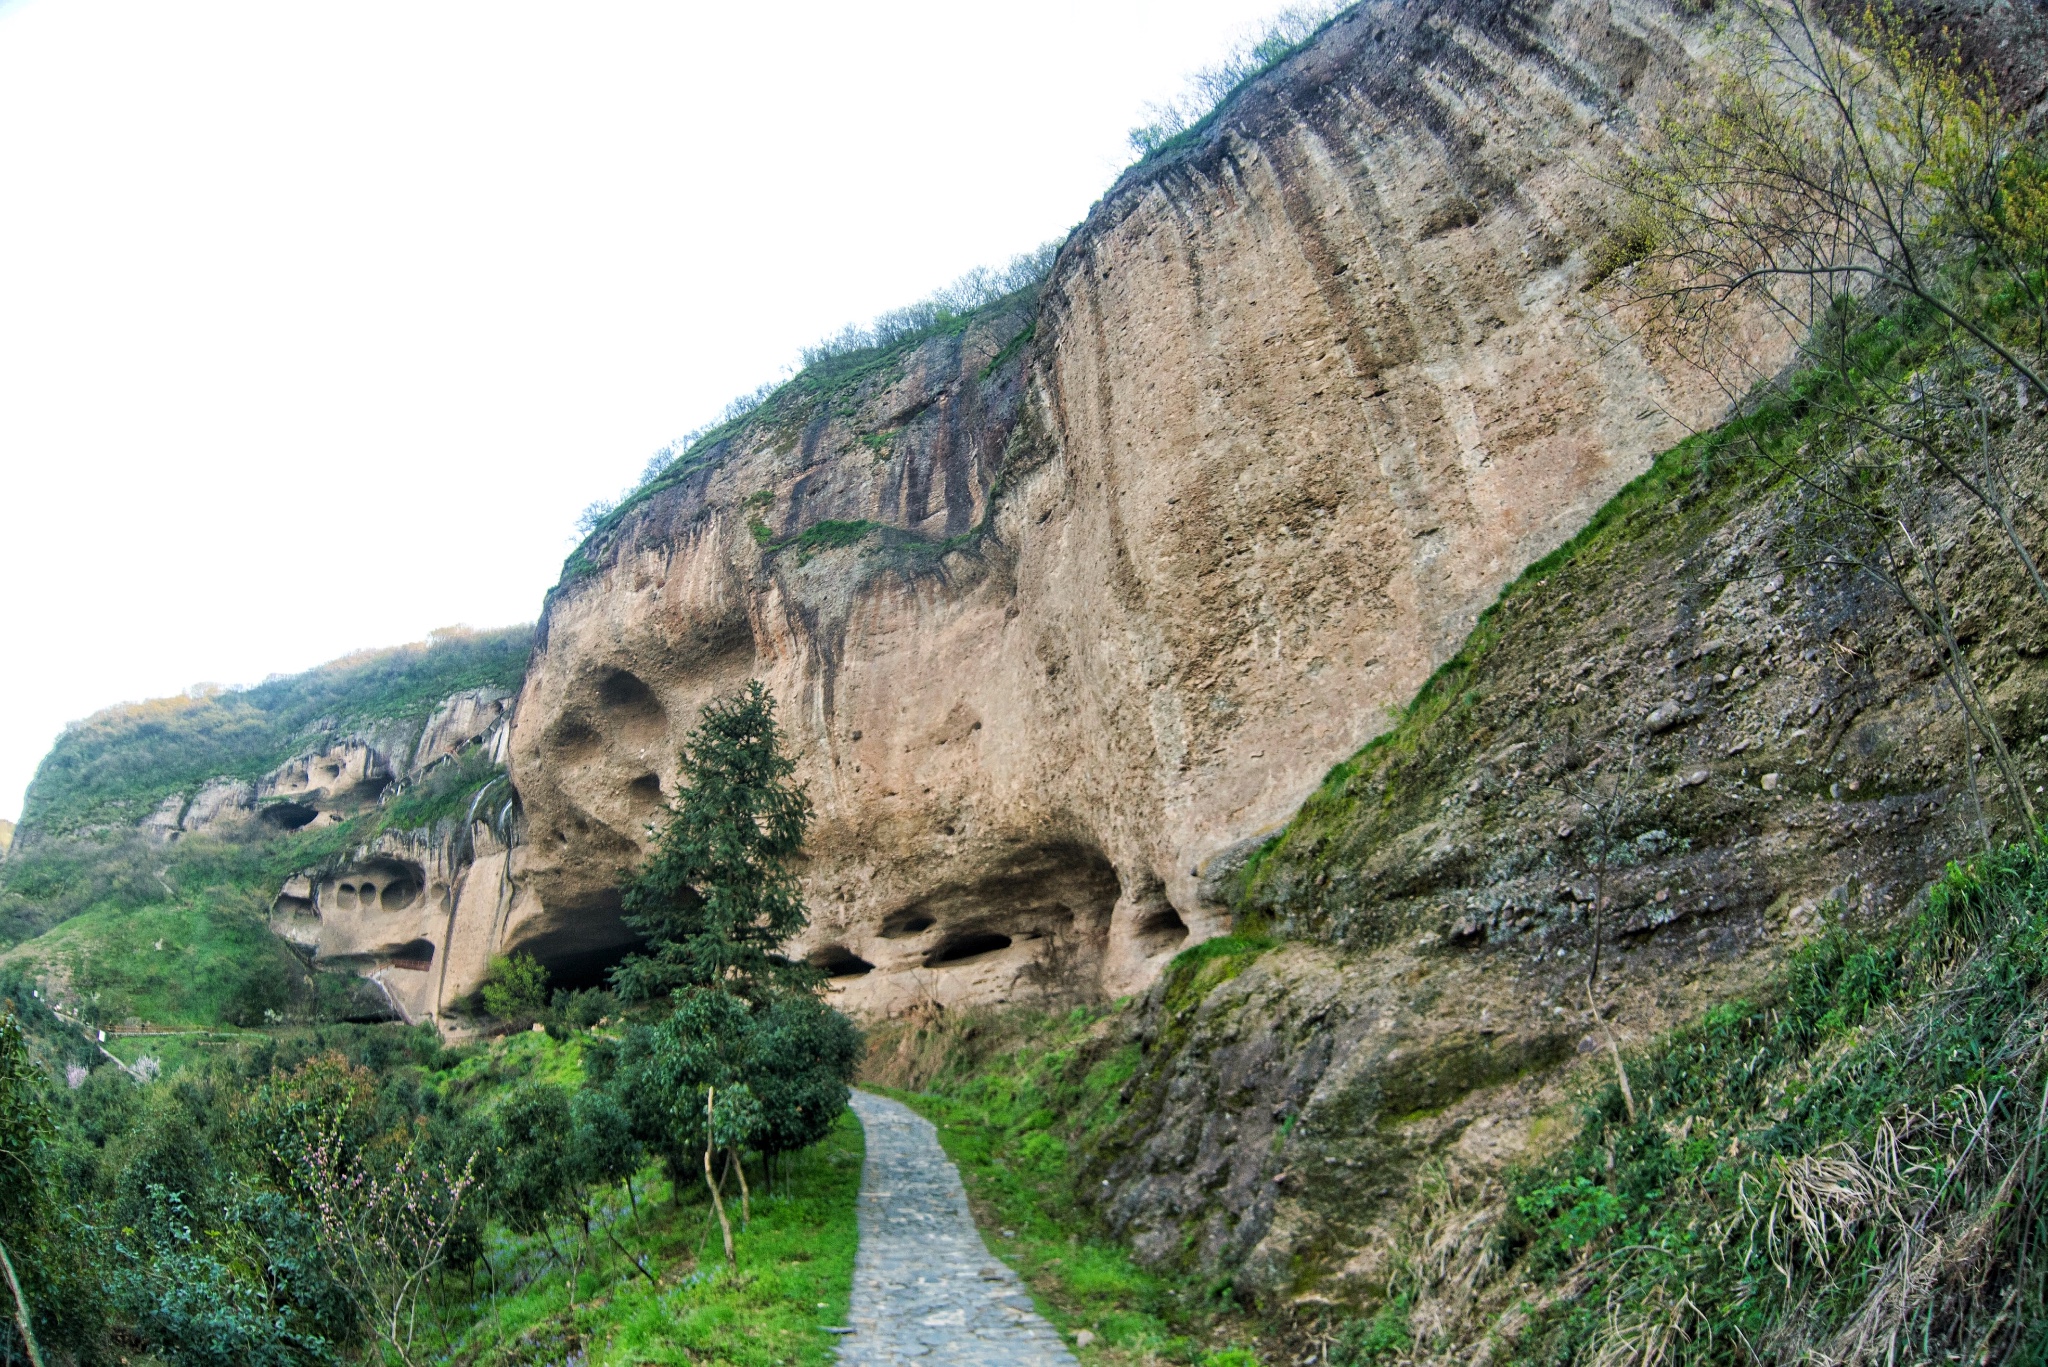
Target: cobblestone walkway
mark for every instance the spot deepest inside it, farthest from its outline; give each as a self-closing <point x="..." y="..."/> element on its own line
<point x="924" y="1286"/>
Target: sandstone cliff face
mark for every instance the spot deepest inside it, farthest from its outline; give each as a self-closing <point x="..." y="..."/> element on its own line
<point x="1297" y="400"/>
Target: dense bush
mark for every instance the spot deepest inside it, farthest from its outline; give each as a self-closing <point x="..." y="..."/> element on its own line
<point x="795" y="1057"/>
<point x="976" y="290"/>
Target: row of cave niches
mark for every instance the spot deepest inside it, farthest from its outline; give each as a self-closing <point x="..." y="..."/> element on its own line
<point x="396" y="891"/>
<point x="837" y="961"/>
<point x="1161" y="931"/>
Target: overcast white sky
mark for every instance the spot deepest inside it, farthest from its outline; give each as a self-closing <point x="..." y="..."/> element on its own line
<point x="319" y="323"/>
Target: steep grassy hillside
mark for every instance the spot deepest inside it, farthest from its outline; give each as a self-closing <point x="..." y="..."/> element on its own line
<point x="1839" y="1162"/>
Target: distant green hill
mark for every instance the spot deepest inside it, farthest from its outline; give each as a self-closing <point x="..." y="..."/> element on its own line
<point x="128" y="923"/>
<point x="114" y="767"/>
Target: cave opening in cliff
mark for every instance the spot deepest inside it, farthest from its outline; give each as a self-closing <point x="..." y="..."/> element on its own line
<point x="1048" y="903"/>
<point x="582" y="942"/>
<point x="621" y="691"/>
<point x="965" y="947"/>
<point x="1160" y="930"/>
<point x="837" y="961"/>
<point x="416" y="955"/>
<point x="288" y="816"/>
<point x="573" y="737"/>
<point x="901" y="925"/>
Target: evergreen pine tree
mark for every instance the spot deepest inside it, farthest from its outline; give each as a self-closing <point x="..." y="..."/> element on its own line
<point x="718" y="896"/>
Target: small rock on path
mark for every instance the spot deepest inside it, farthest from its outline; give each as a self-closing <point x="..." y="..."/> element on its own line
<point x="925" y="1288"/>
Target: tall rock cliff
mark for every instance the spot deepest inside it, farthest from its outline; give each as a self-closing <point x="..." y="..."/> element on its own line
<point x="1068" y="604"/>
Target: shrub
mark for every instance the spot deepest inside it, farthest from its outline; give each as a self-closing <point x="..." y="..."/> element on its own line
<point x="516" y="992"/>
<point x="538" y="1175"/>
<point x="1210" y="87"/>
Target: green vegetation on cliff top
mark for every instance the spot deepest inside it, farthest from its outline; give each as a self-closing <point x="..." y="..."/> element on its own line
<point x="835" y="372"/>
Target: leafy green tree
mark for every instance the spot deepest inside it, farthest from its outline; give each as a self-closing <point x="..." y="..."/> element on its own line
<point x="539" y="1174"/>
<point x="186" y="1293"/>
<point x="582" y="1010"/>
<point x="794" y="1056"/>
<point x="801" y="1058"/>
<point x="382" y="1204"/>
<point x="718" y="897"/>
<point x="605" y="1146"/>
<point x="664" y="1070"/>
<point x="518" y="988"/>
<point x="731" y="1116"/>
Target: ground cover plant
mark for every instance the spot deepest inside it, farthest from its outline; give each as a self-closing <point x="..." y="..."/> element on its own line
<point x="1847" y="1168"/>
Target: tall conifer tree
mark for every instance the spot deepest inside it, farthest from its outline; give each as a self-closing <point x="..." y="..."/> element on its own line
<point x="718" y="897"/>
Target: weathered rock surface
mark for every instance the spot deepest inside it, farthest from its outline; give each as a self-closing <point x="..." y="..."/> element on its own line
<point x="458" y="722"/>
<point x="420" y="912"/>
<point x="1770" y="752"/>
<point x="1130" y="571"/>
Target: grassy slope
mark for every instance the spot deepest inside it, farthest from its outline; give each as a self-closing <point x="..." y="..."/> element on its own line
<point x="186" y="964"/>
<point x="1869" y="1118"/>
<point x="91" y="908"/>
<point x="1871" y="1123"/>
<point x="794" y="1275"/>
<point x="795" y="1270"/>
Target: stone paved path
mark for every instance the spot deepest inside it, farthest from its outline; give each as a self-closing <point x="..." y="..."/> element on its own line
<point x="925" y="1289"/>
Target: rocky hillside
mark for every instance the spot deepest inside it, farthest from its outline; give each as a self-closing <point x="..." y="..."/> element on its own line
<point x="1782" y="756"/>
<point x="344" y="808"/>
<point x="1750" y="765"/>
<point x="1067" y="603"/>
